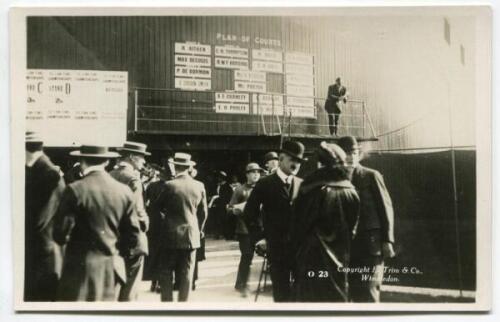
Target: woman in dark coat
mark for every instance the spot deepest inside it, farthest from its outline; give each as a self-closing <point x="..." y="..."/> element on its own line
<point x="326" y="212"/>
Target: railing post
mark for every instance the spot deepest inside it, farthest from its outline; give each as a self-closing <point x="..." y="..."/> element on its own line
<point x="136" y="106"/>
<point x="364" y="115"/>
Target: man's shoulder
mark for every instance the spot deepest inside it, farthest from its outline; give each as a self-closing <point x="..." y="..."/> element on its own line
<point x="367" y="172"/>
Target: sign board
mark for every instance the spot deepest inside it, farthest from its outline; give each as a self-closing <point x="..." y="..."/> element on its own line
<point x="193" y="84"/>
<point x="187" y="60"/>
<point x="303" y="91"/>
<point x="74" y="107"/>
<point x="266" y="54"/>
<point x="267" y="66"/>
<point x="248" y="75"/>
<point x="267" y="110"/>
<point x="299" y="69"/>
<point x="299" y="101"/>
<point x="305" y="112"/>
<point x="299" y="79"/>
<point x="231" y="51"/>
<point x="249" y="87"/>
<point x="197" y="72"/>
<point x="231" y="97"/>
<point x="267" y="99"/>
<point x="231" y="108"/>
<point x="299" y="58"/>
<point x="192" y="48"/>
<point x="231" y="63"/>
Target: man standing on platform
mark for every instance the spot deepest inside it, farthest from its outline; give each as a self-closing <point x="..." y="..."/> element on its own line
<point x="274" y="195"/>
<point x="334" y="99"/>
<point x="184" y="205"/>
<point x="128" y="173"/>
<point x="96" y="221"/>
<point x="43" y="190"/>
<point x="375" y="235"/>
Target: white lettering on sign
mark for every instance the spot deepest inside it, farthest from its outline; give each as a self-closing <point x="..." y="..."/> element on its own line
<point x="298" y="58"/>
<point x="249" y="87"/>
<point x="231" y="108"/>
<point x="231" y="63"/>
<point x="305" y="112"/>
<point x="304" y="91"/>
<point x="230" y="51"/>
<point x="299" y="79"/>
<point x="266" y="54"/>
<point x="93" y="104"/>
<point x="198" y="72"/>
<point x="193" y="84"/>
<point x="267" y="41"/>
<point x="299" y="101"/>
<point x="186" y="60"/>
<point x="192" y="48"/>
<point x="267" y="99"/>
<point x="299" y="69"/>
<point x="267" y="66"/>
<point x="248" y="75"/>
<point x="231" y="97"/>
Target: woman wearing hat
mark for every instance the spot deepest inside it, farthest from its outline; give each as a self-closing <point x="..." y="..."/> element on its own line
<point x="326" y="212"/>
<point x="235" y="207"/>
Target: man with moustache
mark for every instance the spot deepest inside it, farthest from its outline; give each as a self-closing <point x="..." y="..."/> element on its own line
<point x="375" y="234"/>
<point x="274" y="195"/>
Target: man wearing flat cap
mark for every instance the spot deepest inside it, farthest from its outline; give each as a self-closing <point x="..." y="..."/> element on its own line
<point x="235" y="207"/>
<point x="128" y="172"/>
<point x="375" y="234"/>
<point x="97" y="223"/>
<point x="324" y="221"/>
<point x="274" y="195"/>
<point x="43" y="190"/>
<point x="183" y="204"/>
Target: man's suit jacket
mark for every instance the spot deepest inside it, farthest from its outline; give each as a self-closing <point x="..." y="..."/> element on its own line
<point x="183" y="202"/>
<point x="331" y="102"/>
<point x="376" y="210"/>
<point x="274" y="201"/>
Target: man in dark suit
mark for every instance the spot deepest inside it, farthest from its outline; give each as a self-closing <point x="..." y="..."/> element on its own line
<point x="96" y="221"/>
<point x="375" y="235"/>
<point x="127" y="172"/>
<point x="274" y="195"/>
<point x="184" y="205"/>
<point x="336" y="94"/>
<point x="43" y="190"/>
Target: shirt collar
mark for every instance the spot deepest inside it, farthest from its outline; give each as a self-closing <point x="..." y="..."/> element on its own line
<point x="183" y="173"/>
<point x="284" y="177"/>
<point x="31" y="158"/>
<point x="92" y="169"/>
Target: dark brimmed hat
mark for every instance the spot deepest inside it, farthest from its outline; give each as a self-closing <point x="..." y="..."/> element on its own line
<point x="252" y="166"/>
<point x="330" y="154"/>
<point x="348" y="143"/>
<point x="294" y="149"/>
<point x="94" y="151"/>
<point x="271" y="156"/>
<point x="134" y="147"/>
<point x="33" y="137"/>
<point x="182" y="159"/>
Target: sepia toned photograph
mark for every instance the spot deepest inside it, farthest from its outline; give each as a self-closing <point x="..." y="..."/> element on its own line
<point x="251" y="158"/>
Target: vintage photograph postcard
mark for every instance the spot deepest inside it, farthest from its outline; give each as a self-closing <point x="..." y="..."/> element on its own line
<point x="251" y="159"/>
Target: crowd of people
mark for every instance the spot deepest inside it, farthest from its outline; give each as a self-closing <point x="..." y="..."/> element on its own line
<point x="94" y="235"/>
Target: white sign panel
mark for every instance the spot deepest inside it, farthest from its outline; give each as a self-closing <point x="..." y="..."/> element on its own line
<point x="198" y="72"/>
<point x="193" y="84"/>
<point x="303" y="91"/>
<point x="267" y="66"/>
<point x="299" y="101"/>
<point x="298" y="79"/>
<point x="202" y="61"/>
<point x="192" y="48"/>
<point x="231" y="108"/>
<point x="249" y="87"/>
<point x="305" y="112"/>
<point x="231" y="63"/>
<point x="267" y="110"/>
<point x="299" y="69"/>
<point x="230" y="51"/>
<point x="248" y="75"/>
<point x="298" y="58"/>
<point x="266" y="54"/>
<point x="90" y="107"/>
<point x="231" y="97"/>
<point x="267" y="99"/>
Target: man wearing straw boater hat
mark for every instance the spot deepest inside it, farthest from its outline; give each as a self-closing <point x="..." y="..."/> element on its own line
<point x="274" y="195"/>
<point x="184" y="205"/>
<point x="128" y="173"/>
<point x="43" y="189"/>
<point x="96" y="220"/>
